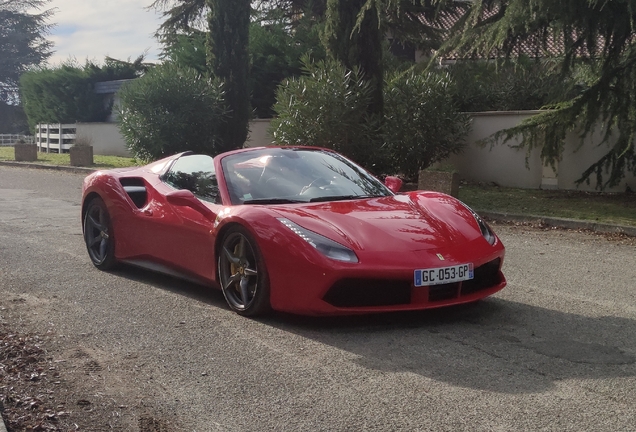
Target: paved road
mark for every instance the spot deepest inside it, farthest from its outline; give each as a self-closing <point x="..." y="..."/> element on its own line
<point x="556" y="350"/>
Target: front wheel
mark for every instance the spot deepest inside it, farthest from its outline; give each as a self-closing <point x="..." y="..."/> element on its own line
<point x="242" y="273"/>
<point x="98" y="235"/>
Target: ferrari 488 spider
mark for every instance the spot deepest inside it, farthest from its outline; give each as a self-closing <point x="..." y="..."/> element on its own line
<point x="295" y="229"/>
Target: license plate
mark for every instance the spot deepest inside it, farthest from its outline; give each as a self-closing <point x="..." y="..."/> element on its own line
<point x="443" y="275"/>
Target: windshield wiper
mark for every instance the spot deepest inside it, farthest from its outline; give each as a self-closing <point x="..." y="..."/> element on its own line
<point x="273" y="201"/>
<point x="339" y="197"/>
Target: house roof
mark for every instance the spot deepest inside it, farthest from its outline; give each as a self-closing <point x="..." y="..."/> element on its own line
<point x="109" y="87"/>
<point x="534" y="46"/>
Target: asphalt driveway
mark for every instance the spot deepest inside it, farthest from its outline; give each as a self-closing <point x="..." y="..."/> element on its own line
<point x="555" y="350"/>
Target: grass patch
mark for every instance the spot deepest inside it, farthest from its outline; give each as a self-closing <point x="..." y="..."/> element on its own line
<point x="587" y="206"/>
<point x="7" y="153"/>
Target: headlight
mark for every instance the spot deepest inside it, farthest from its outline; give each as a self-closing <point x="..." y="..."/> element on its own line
<point x="483" y="227"/>
<point x="325" y="246"/>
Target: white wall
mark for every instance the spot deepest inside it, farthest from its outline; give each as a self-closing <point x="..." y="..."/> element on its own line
<point x="107" y="140"/>
<point x="258" y="135"/>
<point x="501" y="164"/>
<point x="104" y="137"/>
<point x="506" y="165"/>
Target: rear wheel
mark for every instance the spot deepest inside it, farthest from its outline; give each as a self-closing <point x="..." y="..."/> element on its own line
<point x="242" y="273"/>
<point x="98" y="235"/>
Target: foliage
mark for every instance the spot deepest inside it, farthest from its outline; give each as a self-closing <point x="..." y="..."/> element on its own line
<point x="597" y="34"/>
<point x="186" y="16"/>
<point x="275" y="48"/>
<point x="172" y="109"/>
<point x="275" y="54"/>
<point x="420" y="23"/>
<point x="291" y="9"/>
<point x="65" y="94"/>
<point x="228" y="59"/>
<point x="115" y="69"/>
<point x="508" y="85"/>
<point x="62" y="95"/>
<point x="326" y="107"/>
<point x="186" y="50"/>
<point x="354" y="37"/>
<point x="13" y="120"/>
<point x="422" y="125"/>
<point x="22" y="42"/>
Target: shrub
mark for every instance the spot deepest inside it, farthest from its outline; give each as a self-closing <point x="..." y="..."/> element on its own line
<point x="170" y="110"/>
<point x="62" y="95"/>
<point x="421" y="122"/>
<point x="275" y="54"/>
<point x="327" y="108"/>
<point x="65" y="94"/>
<point x="506" y="85"/>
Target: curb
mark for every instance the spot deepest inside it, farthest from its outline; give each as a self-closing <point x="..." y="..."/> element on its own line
<point x="71" y="169"/>
<point x="573" y="224"/>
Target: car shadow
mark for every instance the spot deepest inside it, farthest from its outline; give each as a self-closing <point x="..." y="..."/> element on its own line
<point x="495" y="345"/>
<point x="191" y="289"/>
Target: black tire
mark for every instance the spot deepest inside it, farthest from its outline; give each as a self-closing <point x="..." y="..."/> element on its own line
<point x="98" y="235"/>
<point x="242" y="273"/>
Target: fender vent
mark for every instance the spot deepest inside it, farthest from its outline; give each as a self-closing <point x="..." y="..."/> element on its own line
<point x="136" y="189"/>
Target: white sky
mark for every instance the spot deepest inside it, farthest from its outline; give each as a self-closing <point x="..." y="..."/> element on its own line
<point x="94" y="29"/>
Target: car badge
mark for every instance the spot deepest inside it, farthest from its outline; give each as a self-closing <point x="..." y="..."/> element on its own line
<point x="441" y="257"/>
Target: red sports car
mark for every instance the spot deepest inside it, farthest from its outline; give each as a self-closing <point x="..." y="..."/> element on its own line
<point x="295" y="229"/>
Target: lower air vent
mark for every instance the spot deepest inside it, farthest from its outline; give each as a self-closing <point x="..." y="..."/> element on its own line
<point x="443" y="292"/>
<point x="486" y="276"/>
<point x="368" y="292"/>
<point x="136" y="190"/>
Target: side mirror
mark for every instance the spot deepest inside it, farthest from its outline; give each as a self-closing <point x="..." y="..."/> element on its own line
<point x="393" y="183"/>
<point x="186" y="198"/>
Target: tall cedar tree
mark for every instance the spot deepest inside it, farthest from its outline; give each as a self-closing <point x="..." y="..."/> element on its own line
<point x="228" y="41"/>
<point x="22" y="46"/>
<point x="597" y="34"/>
<point x="22" y="42"/>
<point x="356" y="45"/>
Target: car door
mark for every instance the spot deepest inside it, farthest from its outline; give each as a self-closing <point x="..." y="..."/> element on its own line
<point x="180" y="236"/>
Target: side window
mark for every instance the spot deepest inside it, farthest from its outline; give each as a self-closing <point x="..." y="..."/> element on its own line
<point x="196" y="174"/>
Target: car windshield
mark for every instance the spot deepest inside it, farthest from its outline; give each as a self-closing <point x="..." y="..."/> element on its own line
<point x="293" y="175"/>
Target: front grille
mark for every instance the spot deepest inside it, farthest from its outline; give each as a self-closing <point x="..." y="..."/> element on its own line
<point x="368" y="292"/>
<point x="378" y="292"/>
<point x="486" y="276"/>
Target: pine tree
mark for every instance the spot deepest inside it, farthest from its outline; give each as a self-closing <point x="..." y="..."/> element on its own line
<point x="228" y="59"/>
<point x="354" y="37"/>
<point x="22" y="42"/>
<point x="592" y="34"/>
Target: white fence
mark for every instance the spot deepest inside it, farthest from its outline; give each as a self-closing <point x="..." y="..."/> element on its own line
<point x="56" y="138"/>
<point x="10" y="139"/>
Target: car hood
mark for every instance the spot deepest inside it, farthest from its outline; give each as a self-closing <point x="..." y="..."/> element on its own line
<point x="409" y="222"/>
